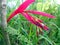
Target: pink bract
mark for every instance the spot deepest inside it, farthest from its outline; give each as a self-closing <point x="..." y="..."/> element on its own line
<point x="25" y="13"/>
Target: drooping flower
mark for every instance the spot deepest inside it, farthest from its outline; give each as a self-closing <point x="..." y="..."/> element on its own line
<point x="25" y="13"/>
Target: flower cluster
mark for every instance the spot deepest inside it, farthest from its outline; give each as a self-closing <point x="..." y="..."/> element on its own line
<point x="26" y="14"/>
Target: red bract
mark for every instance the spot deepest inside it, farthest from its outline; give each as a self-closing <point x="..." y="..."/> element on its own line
<point x="25" y="13"/>
<point x="40" y="13"/>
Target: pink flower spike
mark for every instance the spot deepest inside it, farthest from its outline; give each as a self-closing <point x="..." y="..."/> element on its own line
<point x="30" y="18"/>
<point x="24" y="5"/>
<point x="41" y="13"/>
<point x="12" y="15"/>
<point x="34" y="21"/>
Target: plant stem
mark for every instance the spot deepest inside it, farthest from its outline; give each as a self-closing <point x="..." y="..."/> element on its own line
<point x="3" y="22"/>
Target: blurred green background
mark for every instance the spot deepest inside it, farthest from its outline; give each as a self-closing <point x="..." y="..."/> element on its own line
<point x="23" y="32"/>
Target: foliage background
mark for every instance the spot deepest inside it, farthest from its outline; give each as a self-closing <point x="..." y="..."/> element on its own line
<point x="23" y="32"/>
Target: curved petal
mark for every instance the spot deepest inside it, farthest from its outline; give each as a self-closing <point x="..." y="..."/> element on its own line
<point x="12" y="15"/>
<point x="41" y="13"/>
<point x="24" y="5"/>
<point x="34" y="21"/>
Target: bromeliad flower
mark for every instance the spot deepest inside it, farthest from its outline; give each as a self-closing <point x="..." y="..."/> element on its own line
<point x="25" y="13"/>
